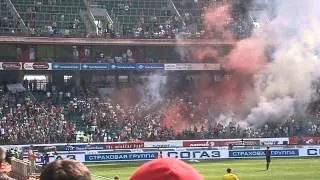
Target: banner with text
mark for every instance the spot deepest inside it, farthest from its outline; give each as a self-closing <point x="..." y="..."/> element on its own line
<point x="304" y="140"/>
<point x="192" y="67"/>
<point x="261" y="153"/>
<point x="40" y="159"/>
<point x="120" y="157"/>
<point x="66" y="66"/>
<point x="104" y="146"/>
<point x="10" y="66"/>
<point x="197" y="154"/>
<point x="37" y="66"/>
<point x="219" y="142"/>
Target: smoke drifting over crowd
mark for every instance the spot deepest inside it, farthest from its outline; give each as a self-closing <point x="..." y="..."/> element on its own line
<point x="272" y="86"/>
<point x="285" y="86"/>
<point x="274" y="71"/>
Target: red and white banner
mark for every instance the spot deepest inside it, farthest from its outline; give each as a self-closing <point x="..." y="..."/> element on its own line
<point x="304" y="140"/>
<point x="10" y="66"/>
<point x="125" y="145"/>
<point x="222" y="142"/>
<point x="37" y="66"/>
<point x="192" y="67"/>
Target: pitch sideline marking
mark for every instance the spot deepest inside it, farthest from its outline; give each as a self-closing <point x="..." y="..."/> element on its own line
<point x="101" y="177"/>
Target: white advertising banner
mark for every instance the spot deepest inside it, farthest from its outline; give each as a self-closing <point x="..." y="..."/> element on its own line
<point x="41" y="159"/>
<point x="274" y="141"/>
<point x="197" y="154"/>
<point x="310" y="151"/>
<point x="192" y="67"/>
<point x="163" y="144"/>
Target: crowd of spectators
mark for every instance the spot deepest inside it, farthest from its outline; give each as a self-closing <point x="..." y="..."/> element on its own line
<point x="52" y="117"/>
<point x="185" y="24"/>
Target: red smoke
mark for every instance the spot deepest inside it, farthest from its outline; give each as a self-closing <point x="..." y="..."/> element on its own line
<point x="173" y="118"/>
<point x="216" y="20"/>
<point x="205" y="54"/>
<point x="245" y="59"/>
<point x="248" y="57"/>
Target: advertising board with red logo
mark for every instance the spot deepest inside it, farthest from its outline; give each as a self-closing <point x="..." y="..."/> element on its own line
<point x="37" y="66"/>
<point x="10" y="66"/>
<point x="304" y="140"/>
<point x="211" y="143"/>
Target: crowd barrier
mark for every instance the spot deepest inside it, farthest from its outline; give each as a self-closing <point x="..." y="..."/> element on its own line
<point x="187" y="154"/>
<point x="22" y="169"/>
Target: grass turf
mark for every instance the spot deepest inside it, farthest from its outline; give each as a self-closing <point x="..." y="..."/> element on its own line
<point x="281" y="169"/>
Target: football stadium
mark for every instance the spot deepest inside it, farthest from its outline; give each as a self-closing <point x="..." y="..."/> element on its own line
<point x="159" y="89"/>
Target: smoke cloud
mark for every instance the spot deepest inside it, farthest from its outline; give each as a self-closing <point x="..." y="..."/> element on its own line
<point x="273" y="85"/>
<point x="154" y="88"/>
<point x="285" y="87"/>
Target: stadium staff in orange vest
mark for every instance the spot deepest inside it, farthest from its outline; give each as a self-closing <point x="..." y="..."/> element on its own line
<point x="32" y="159"/>
<point x="230" y="175"/>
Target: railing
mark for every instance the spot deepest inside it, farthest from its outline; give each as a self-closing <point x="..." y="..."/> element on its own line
<point x="90" y="15"/>
<point x="173" y="7"/>
<point x="86" y="19"/>
<point x="17" y="16"/>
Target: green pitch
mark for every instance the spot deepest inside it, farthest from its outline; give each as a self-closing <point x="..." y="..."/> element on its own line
<point x="281" y="169"/>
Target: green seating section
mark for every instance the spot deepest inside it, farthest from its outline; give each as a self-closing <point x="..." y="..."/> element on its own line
<point x="194" y="9"/>
<point x="138" y="10"/>
<point x="48" y="11"/>
<point x="7" y="23"/>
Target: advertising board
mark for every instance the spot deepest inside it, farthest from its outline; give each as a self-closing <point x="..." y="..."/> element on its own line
<point x="196" y="154"/>
<point x="120" y="157"/>
<point x="149" y="67"/>
<point x="219" y="142"/>
<point x="260" y="153"/>
<point x="10" y="66"/>
<point x="94" y="67"/>
<point x="66" y="66"/>
<point x="37" y="66"/>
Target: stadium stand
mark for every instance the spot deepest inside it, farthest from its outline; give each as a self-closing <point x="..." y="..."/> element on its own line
<point x="115" y="18"/>
<point x="48" y="17"/>
<point x="131" y="13"/>
<point x="68" y="118"/>
<point x="8" y="23"/>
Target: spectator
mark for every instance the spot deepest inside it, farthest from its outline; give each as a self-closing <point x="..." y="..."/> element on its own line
<point x="4" y="167"/>
<point x="65" y="170"/>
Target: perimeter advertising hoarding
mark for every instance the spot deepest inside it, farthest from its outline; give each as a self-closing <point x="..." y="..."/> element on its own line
<point x="120" y="157"/>
<point x="304" y="140"/>
<point x="37" y="66"/>
<point x="66" y="66"/>
<point x="10" y="66"/>
<point x="260" y="153"/>
<point x="192" y="67"/>
<point x="94" y="67"/>
<point x="212" y="143"/>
